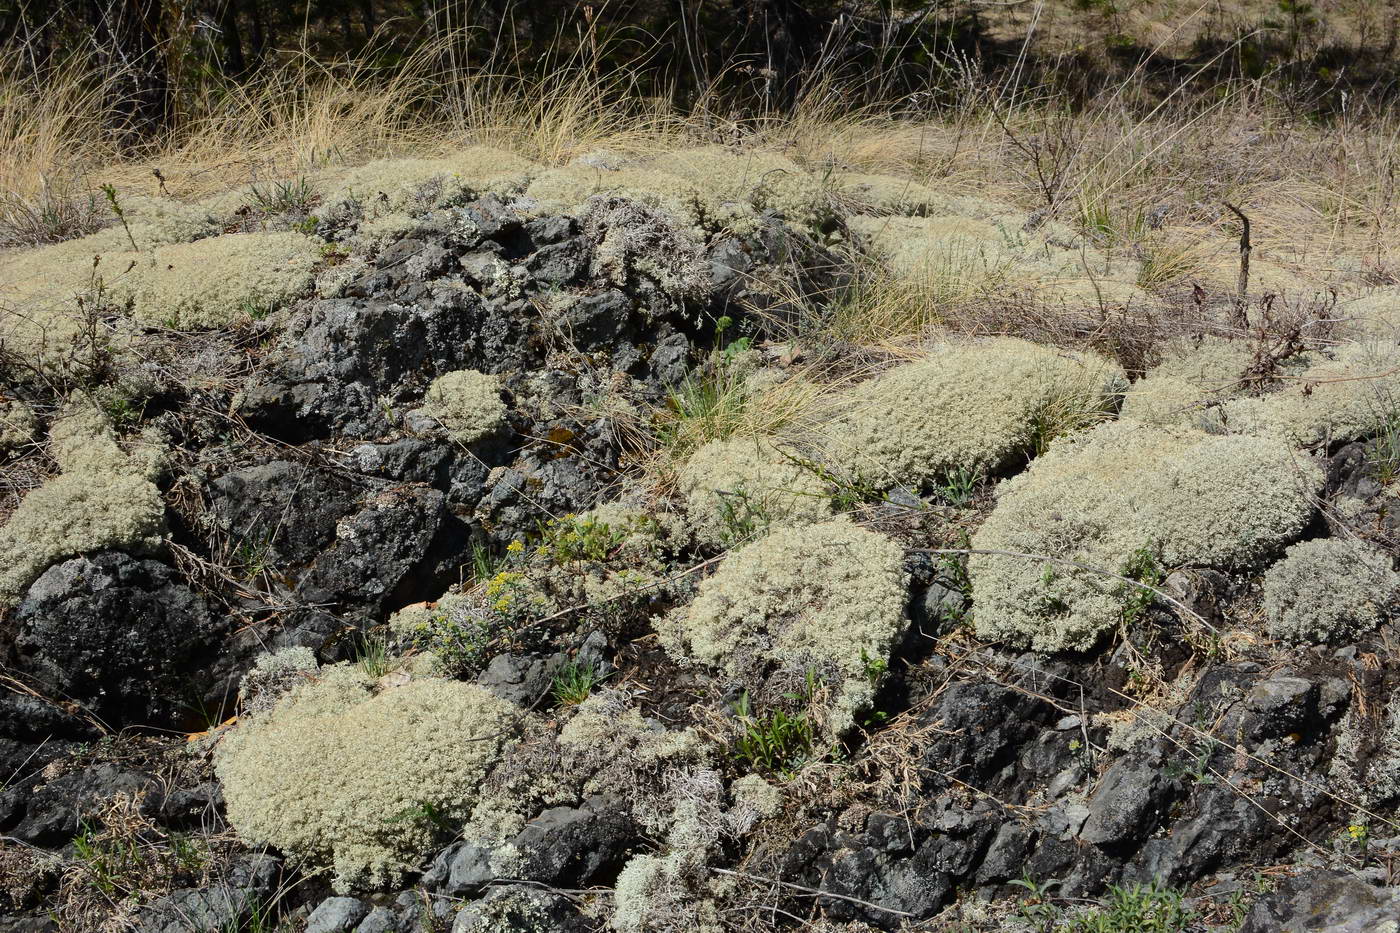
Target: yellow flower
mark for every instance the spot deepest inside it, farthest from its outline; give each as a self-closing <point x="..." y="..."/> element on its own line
<point x="515" y="547"/>
<point x="1357" y="832"/>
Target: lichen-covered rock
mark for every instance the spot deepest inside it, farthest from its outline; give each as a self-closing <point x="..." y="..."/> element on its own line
<point x="467" y="403"/>
<point x="344" y="778"/>
<point x="976" y="407"/>
<point x="103" y="500"/>
<point x="823" y="601"/>
<point x="1121" y="493"/>
<point x="736" y="488"/>
<point x="389" y="188"/>
<point x="736" y="186"/>
<point x="1328" y="590"/>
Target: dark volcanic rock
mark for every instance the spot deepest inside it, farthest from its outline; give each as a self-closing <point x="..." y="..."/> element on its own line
<point x="1324" y="902"/>
<point x="121" y="635"/>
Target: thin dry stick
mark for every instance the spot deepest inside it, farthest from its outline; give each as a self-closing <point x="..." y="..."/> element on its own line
<point x="1241" y="319"/>
<point x="815" y="892"/>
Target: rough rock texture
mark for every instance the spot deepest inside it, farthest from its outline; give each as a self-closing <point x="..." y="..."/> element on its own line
<point x="1325" y="900"/>
<point x="123" y="636"/>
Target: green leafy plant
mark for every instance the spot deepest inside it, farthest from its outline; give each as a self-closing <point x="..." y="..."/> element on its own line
<point x="574" y="682"/>
<point x="1143" y="566"/>
<point x="744" y="517"/>
<point x="959" y="486"/>
<point x="570" y="539"/>
<point x="111" y="863"/>
<point x="776" y="743"/>
<point x="1136" y="908"/>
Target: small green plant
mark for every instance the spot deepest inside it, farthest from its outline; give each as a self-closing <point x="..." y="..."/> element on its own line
<point x="570" y="539"/>
<point x="574" y="682"/>
<point x="1136" y="908"/>
<point x="110" y="193"/>
<point x="253" y="309"/>
<point x="744" y="517"/>
<point x="1383" y="451"/>
<point x="289" y="197"/>
<point x="124" y="412"/>
<point x="1143" y="566"/>
<point x="777" y="743"/>
<point x="875" y="668"/>
<point x="485" y="564"/>
<point x="1197" y="766"/>
<point x="110" y="862"/>
<point x="372" y="653"/>
<point x="959" y="486"/>
<point x="253" y="556"/>
<point x="1037" y="908"/>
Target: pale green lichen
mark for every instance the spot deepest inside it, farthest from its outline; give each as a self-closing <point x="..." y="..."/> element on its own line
<point x="102" y="500"/>
<point x="1192" y="376"/>
<point x="1375" y="316"/>
<point x="737" y="185"/>
<point x="948" y="254"/>
<point x="39" y="288"/>
<point x="824" y="601"/>
<point x="414" y="186"/>
<point x="569" y="190"/>
<point x="256" y="274"/>
<point x="634" y="240"/>
<point x="664" y="894"/>
<point x="975" y="406"/>
<point x="737" y="488"/>
<point x="1346" y="393"/>
<point x="358" y="782"/>
<point x="1327" y="590"/>
<point x="467" y="403"/>
<point x="273" y="675"/>
<point x="888" y="194"/>
<point x="1348" y="396"/>
<point x="18" y="424"/>
<point x="1119" y="494"/>
<point x="765" y="800"/>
